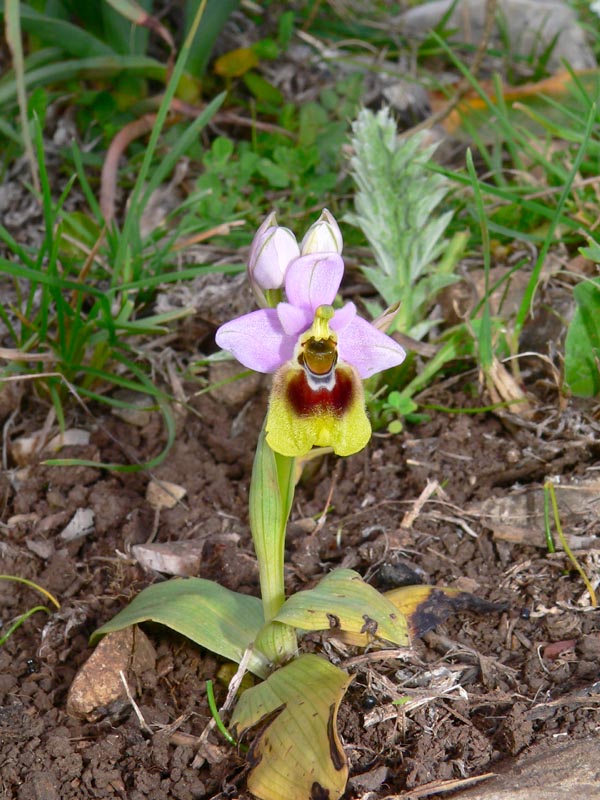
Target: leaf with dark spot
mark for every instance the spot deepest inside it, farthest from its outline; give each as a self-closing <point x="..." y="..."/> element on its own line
<point x="424" y="607"/>
<point x="370" y="625"/>
<point x="297" y="753"/>
<point x="344" y="598"/>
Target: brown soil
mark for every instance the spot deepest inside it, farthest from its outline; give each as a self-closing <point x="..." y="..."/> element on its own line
<point x="489" y="689"/>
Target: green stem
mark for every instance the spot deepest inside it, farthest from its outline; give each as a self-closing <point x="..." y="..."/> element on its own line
<point x="271" y="490"/>
<point x="20" y="621"/>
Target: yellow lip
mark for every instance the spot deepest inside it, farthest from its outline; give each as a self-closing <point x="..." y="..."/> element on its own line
<point x="302" y="416"/>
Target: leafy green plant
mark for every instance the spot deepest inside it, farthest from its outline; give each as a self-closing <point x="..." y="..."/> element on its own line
<point x="300" y="160"/>
<point x="507" y="203"/>
<point x="108" y="36"/>
<point x="397" y="208"/>
<point x="82" y="298"/>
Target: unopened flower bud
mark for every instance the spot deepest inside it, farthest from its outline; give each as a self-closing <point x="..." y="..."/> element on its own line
<point x="324" y="236"/>
<point x="271" y="251"/>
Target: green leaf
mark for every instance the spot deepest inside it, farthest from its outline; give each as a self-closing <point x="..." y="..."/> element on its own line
<point x="71" y="39"/>
<point x="236" y="62"/>
<point x="266" y="48"/>
<point x="262" y="89"/>
<point x="214" y="18"/>
<point x="216" y="618"/>
<point x="298" y="753"/>
<point x="134" y="12"/>
<point x="14" y="41"/>
<point x="582" y="345"/>
<point x="343" y="601"/>
<point x="80" y="69"/>
<point x="275" y="175"/>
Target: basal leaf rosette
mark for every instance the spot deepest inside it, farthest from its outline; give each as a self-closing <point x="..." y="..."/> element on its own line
<point x="319" y="356"/>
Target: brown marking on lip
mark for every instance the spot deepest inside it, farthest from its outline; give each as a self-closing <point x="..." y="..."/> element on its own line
<point x="307" y="402"/>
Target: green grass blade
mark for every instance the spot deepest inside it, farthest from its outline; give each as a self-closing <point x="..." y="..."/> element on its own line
<point x="15" y="44"/>
<point x="136" y="207"/>
<point x="32" y="585"/>
<point x="217" y="12"/>
<point x="485" y="331"/>
<point x="72" y="39"/>
<point x="84" y="183"/>
<point x="18" y="251"/>
<point x="189" y="137"/>
<point x="532" y="284"/>
<point x="85" y="68"/>
<point x="117" y="22"/>
<point x="10" y="133"/>
<point x="20" y="621"/>
<point x="212" y="704"/>
<point x="54" y="281"/>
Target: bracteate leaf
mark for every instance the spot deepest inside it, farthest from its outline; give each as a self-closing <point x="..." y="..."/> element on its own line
<point x="342" y="601"/>
<point x="297" y="754"/>
<point x="216" y="618"/>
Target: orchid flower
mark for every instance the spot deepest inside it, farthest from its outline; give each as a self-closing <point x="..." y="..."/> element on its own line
<point x="319" y="356"/>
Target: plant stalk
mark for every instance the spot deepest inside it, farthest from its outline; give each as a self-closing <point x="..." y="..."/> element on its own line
<point x="271" y="489"/>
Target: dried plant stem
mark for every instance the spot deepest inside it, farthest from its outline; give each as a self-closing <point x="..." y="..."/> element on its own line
<point x="549" y="488"/>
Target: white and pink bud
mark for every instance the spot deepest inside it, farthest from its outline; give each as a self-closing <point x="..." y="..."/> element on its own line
<point x="271" y="251"/>
<point x="324" y="236"/>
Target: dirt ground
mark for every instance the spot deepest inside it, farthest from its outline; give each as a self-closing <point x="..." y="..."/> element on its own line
<point x="475" y="691"/>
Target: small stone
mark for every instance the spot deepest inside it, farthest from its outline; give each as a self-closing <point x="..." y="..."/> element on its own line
<point x="230" y="386"/>
<point x="40" y="547"/>
<point x="370" y="781"/>
<point x="589" y="647"/>
<point x="25" y="448"/>
<point x="164" y="494"/>
<point x="138" y="410"/>
<point x="173" y="558"/>
<point x="98" y="683"/>
<point x="80" y="525"/>
<point x="71" y="437"/>
<point x="52" y="522"/>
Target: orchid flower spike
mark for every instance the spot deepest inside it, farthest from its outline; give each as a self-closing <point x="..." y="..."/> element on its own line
<point x="319" y="356"/>
<point x="272" y="249"/>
